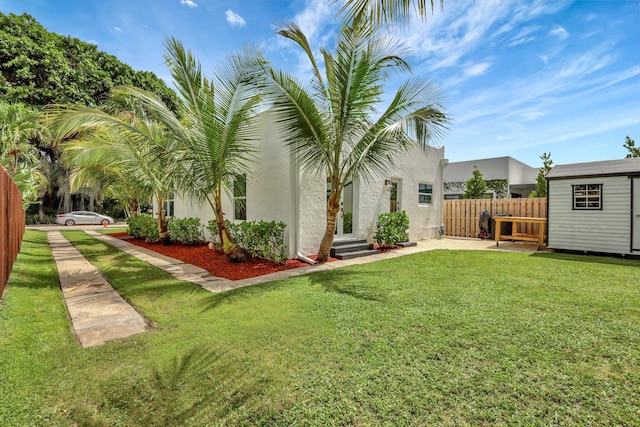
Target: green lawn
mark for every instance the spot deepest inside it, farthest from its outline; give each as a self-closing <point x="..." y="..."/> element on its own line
<point x="438" y="338"/>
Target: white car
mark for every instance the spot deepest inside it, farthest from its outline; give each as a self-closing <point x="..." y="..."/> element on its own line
<point x="83" y="217"/>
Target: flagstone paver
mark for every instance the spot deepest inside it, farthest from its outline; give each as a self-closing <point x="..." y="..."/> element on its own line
<point x="98" y="313"/>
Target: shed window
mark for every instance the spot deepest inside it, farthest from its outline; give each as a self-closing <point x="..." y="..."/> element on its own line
<point x="425" y="192"/>
<point x="240" y="197"/>
<point x="587" y="196"/>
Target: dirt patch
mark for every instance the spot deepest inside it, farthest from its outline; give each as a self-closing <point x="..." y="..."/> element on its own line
<point x="214" y="261"/>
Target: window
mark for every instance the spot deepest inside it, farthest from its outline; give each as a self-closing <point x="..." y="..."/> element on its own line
<point x="587" y="196"/>
<point x="240" y="197"/>
<point x="425" y="192"/>
<point x="168" y="205"/>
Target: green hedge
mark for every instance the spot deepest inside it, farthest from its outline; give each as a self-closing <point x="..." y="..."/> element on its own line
<point x="261" y="239"/>
<point x="186" y="230"/>
<point x="144" y="226"/>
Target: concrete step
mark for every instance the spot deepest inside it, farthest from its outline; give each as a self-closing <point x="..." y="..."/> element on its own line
<point x="341" y="249"/>
<point x="357" y="254"/>
<point x="347" y="242"/>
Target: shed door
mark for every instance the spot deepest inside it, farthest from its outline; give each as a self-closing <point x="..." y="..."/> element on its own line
<point x="636" y="215"/>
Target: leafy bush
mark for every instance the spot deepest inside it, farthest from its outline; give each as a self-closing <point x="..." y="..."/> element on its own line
<point x="143" y="226"/>
<point x="391" y="228"/>
<point x="261" y="239"/>
<point x="186" y="230"/>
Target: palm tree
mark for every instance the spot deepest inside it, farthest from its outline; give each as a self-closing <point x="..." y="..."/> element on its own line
<point x="215" y="131"/>
<point x="381" y="12"/>
<point x="331" y="125"/>
<point x="119" y="149"/>
<point x="18" y="126"/>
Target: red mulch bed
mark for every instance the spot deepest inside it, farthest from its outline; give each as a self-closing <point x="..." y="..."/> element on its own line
<point x="214" y="261"/>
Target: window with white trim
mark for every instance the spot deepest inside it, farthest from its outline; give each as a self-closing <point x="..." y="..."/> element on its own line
<point x="169" y="205"/>
<point x="587" y="197"/>
<point x="425" y="194"/>
<point x="240" y="197"/>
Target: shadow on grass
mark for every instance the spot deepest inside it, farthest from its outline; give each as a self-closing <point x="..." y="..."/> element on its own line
<point x="589" y="258"/>
<point x="346" y="281"/>
<point x="200" y="384"/>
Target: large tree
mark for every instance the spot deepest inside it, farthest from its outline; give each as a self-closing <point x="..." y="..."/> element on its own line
<point x="38" y="67"/>
<point x="334" y="126"/>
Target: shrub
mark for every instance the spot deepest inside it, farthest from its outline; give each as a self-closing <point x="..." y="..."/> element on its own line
<point x="260" y="239"/>
<point x="31" y="219"/>
<point x="143" y="226"/>
<point x="186" y="230"/>
<point x="391" y="228"/>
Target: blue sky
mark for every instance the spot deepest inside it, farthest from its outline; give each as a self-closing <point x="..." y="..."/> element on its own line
<point x="522" y="77"/>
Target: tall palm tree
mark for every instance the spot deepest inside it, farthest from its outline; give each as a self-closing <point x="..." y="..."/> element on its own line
<point x="331" y="125"/>
<point x="382" y="12"/>
<point x="215" y="130"/>
<point x="116" y="148"/>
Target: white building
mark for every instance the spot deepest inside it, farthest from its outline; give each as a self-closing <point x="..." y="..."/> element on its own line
<point x="506" y="175"/>
<point x="595" y="207"/>
<point x="277" y="190"/>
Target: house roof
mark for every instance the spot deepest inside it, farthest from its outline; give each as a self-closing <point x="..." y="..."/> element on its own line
<point x="602" y="168"/>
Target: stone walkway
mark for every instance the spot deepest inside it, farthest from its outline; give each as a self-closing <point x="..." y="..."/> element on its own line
<point x="98" y="313"/>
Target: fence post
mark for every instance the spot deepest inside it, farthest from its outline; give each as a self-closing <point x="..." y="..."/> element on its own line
<point x="12" y="225"/>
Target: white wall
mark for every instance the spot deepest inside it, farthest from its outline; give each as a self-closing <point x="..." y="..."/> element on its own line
<point x="410" y="169"/>
<point x="607" y="230"/>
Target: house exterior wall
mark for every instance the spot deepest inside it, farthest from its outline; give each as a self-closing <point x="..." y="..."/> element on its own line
<point x="277" y="190"/>
<point x="607" y="230"/>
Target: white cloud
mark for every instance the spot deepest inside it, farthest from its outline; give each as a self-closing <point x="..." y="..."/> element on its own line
<point x="477" y="69"/>
<point x="189" y="3"/>
<point x="118" y="29"/>
<point x="234" y="19"/>
<point x="544" y="59"/>
<point x="559" y="32"/>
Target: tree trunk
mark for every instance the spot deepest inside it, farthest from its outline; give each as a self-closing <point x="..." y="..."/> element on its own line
<point x="227" y="241"/>
<point x="41" y="211"/>
<point x="333" y="208"/>
<point x="162" y="222"/>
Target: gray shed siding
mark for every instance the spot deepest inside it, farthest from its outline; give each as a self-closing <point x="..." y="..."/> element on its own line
<point x="607" y="230"/>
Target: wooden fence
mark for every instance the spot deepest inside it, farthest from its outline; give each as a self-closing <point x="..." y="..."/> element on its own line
<point x="461" y="217"/>
<point x="11" y="225"/>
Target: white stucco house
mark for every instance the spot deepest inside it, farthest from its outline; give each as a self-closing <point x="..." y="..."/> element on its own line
<point x="595" y="207"/>
<point x="515" y="178"/>
<point x="276" y="189"/>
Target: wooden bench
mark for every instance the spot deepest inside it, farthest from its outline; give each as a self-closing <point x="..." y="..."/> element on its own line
<point x="514" y="220"/>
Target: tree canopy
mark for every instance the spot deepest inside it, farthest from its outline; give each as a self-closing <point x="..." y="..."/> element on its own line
<point x="630" y="145"/>
<point x="38" y="67"/>
<point x="476" y="187"/>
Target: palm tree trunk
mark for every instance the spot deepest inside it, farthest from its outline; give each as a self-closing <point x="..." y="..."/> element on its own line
<point x="227" y="241"/>
<point x="333" y="208"/>
<point x="162" y="221"/>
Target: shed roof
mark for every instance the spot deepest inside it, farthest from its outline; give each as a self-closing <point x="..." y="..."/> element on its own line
<point x="602" y="168"/>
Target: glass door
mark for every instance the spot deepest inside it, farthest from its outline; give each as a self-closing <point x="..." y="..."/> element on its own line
<point x="344" y="222"/>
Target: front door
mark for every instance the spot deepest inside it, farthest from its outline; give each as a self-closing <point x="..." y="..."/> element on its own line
<point x="394" y="196"/>
<point x="344" y="223"/>
<point x="635" y="242"/>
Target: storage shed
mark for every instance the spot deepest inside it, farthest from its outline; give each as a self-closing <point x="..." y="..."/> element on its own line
<point x="595" y="207"/>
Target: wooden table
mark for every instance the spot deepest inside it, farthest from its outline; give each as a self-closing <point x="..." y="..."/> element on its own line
<point x="520" y="236"/>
